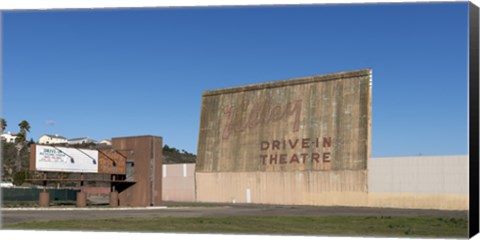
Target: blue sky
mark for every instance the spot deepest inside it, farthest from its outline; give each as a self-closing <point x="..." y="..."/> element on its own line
<point x="113" y="73"/>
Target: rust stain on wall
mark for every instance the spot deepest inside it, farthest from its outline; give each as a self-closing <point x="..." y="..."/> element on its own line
<point x="111" y="162"/>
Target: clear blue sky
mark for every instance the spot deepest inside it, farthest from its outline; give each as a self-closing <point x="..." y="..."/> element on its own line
<point x="113" y="73"/>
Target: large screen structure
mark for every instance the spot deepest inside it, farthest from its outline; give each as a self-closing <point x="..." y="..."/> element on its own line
<point x="296" y="141"/>
<point x="318" y="123"/>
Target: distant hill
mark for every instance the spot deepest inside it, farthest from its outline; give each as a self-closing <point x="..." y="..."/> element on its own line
<point x="172" y="155"/>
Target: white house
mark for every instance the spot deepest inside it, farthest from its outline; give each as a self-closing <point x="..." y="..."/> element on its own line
<point x="52" y="139"/>
<point x="106" y="142"/>
<point x="6" y="185"/>
<point x="9" y="137"/>
<point x="81" y="140"/>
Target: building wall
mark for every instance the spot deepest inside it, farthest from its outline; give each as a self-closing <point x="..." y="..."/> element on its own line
<point x="146" y="153"/>
<point x="343" y="188"/>
<point x="439" y="182"/>
<point x="178" y="182"/>
<point x="111" y="162"/>
<point x="422" y="182"/>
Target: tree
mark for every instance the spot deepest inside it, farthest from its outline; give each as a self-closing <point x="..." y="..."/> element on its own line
<point x="30" y="142"/>
<point x="24" y="128"/>
<point x="19" y="177"/>
<point x="20" y="138"/>
<point x="3" y="124"/>
<point x="15" y="160"/>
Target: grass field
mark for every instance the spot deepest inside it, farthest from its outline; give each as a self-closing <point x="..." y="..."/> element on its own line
<point x="332" y="226"/>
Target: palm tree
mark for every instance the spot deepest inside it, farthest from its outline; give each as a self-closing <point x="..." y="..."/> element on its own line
<point x="3" y="124"/>
<point x="24" y="128"/>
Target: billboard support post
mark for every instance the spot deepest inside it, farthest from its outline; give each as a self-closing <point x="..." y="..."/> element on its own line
<point x="81" y="199"/>
<point x="44" y="199"/>
<point x="113" y="199"/>
<point x="81" y="182"/>
<point x="44" y="181"/>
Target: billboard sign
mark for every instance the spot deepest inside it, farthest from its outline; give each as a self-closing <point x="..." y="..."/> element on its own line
<point x="62" y="159"/>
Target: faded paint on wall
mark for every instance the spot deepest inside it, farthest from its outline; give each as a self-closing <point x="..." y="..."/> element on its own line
<point x="317" y="123"/>
<point x="178" y="182"/>
<point x="295" y="141"/>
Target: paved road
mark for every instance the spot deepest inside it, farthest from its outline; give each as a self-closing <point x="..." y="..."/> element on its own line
<point x="11" y="216"/>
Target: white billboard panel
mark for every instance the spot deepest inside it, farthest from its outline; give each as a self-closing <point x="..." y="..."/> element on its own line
<point x="61" y="159"/>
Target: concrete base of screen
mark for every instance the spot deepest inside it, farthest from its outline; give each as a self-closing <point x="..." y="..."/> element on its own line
<point x="320" y="188"/>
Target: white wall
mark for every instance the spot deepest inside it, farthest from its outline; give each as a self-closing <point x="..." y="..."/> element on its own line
<point x="178" y="182"/>
<point x="9" y="138"/>
<point x="419" y="175"/>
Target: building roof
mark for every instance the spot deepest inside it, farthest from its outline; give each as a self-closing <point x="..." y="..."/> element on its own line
<point x="81" y="138"/>
<point x="54" y="136"/>
<point x="9" y="133"/>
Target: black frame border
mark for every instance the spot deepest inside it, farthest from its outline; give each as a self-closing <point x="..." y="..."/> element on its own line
<point x="473" y="214"/>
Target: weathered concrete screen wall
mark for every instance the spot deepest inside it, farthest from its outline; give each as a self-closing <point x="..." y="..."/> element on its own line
<point x="302" y="137"/>
<point x="439" y="182"/>
<point x="178" y="182"/>
<point x="146" y="154"/>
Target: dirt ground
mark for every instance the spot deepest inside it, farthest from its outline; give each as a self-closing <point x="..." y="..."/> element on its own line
<point x="175" y="209"/>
